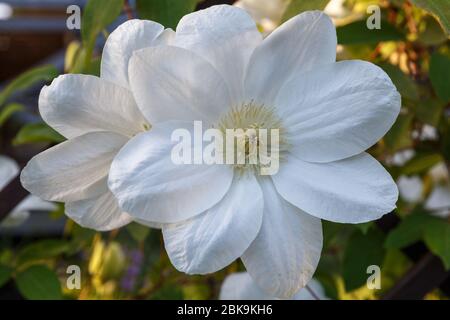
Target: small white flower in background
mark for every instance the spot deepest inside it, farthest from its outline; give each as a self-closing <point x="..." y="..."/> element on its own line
<point x="240" y="286"/>
<point x="329" y="113"/>
<point x="97" y="116"/>
<point x="8" y="171"/>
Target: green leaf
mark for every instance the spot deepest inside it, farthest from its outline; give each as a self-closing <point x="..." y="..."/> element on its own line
<point x="5" y="274"/>
<point x="296" y="7"/>
<point x="27" y="79"/>
<point x="168" y="12"/>
<point x="97" y="15"/>
<point x="399" y="136"/>
<point x="39" y="283"/>
<point x="437" y="238"/>
<point x="358" y="33"/>
<point x="405" y="85"/>
<point x="43" y="249"/>
<point x="37" y="132"/>
<point x="421" y="162"/>
<point x="361" y="252"/>
<point x="440" y="76"/>
<point x="8" y="111"/>
<point x="409" y="231"/>
<point x="138" y="231"/>
<point x="438" y="8"/>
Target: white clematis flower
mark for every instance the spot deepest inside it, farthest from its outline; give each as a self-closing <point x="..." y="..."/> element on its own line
<point x="97" y="116"/>
<point x="8" y="171"/>
<point x="240" y="286"/>
<point x="329" y="112"/>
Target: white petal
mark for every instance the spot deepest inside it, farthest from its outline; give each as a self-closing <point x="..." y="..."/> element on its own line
<point x="101" y="213"/>
<point x="73" y="170"/>
<point x="76" y="104"/>
<point x="151" y="187"/>
<point x="171" y="83"/>
<point x="353" y="190"/>
<point x="439" y="201"/>
<point x="214" y="239"/>
<point x="338" y="110"/>
<point x="8" y="171"/>
<point x="240" y="286"/>
<point x="300" y="44"/>
<point x="128" y="37"/>
<point x="226" y="37"/>
<point x="283" y="257"/>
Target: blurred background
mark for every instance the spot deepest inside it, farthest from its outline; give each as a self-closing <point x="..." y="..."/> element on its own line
<point x="411" y="245"/>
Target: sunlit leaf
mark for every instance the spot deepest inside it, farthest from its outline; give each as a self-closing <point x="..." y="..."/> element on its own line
<point x="433" y="34"/>
<point x="37" y="132"/>
<point x="296" y="7"/>
<point x="440" y="75"/>
<point x="39" y="283"/>
<point x="358" y="33"/>
<point x="168" y="12"/>
<point x="27" y="79"/>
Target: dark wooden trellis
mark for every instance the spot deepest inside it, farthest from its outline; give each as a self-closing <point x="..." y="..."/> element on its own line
<point x="426" y="274"/>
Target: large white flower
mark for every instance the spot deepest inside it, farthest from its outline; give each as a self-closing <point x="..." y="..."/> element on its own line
<point x="240" y="286"/>
<point x="97" y="116"/>
<point x="221" y="69"/>
<point x="8" y="171"/>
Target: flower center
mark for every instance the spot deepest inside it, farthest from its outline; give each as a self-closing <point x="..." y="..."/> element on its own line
<point x="255" y="138"/>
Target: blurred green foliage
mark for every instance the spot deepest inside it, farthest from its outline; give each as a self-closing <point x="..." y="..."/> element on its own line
<point x="412" y="46"/>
